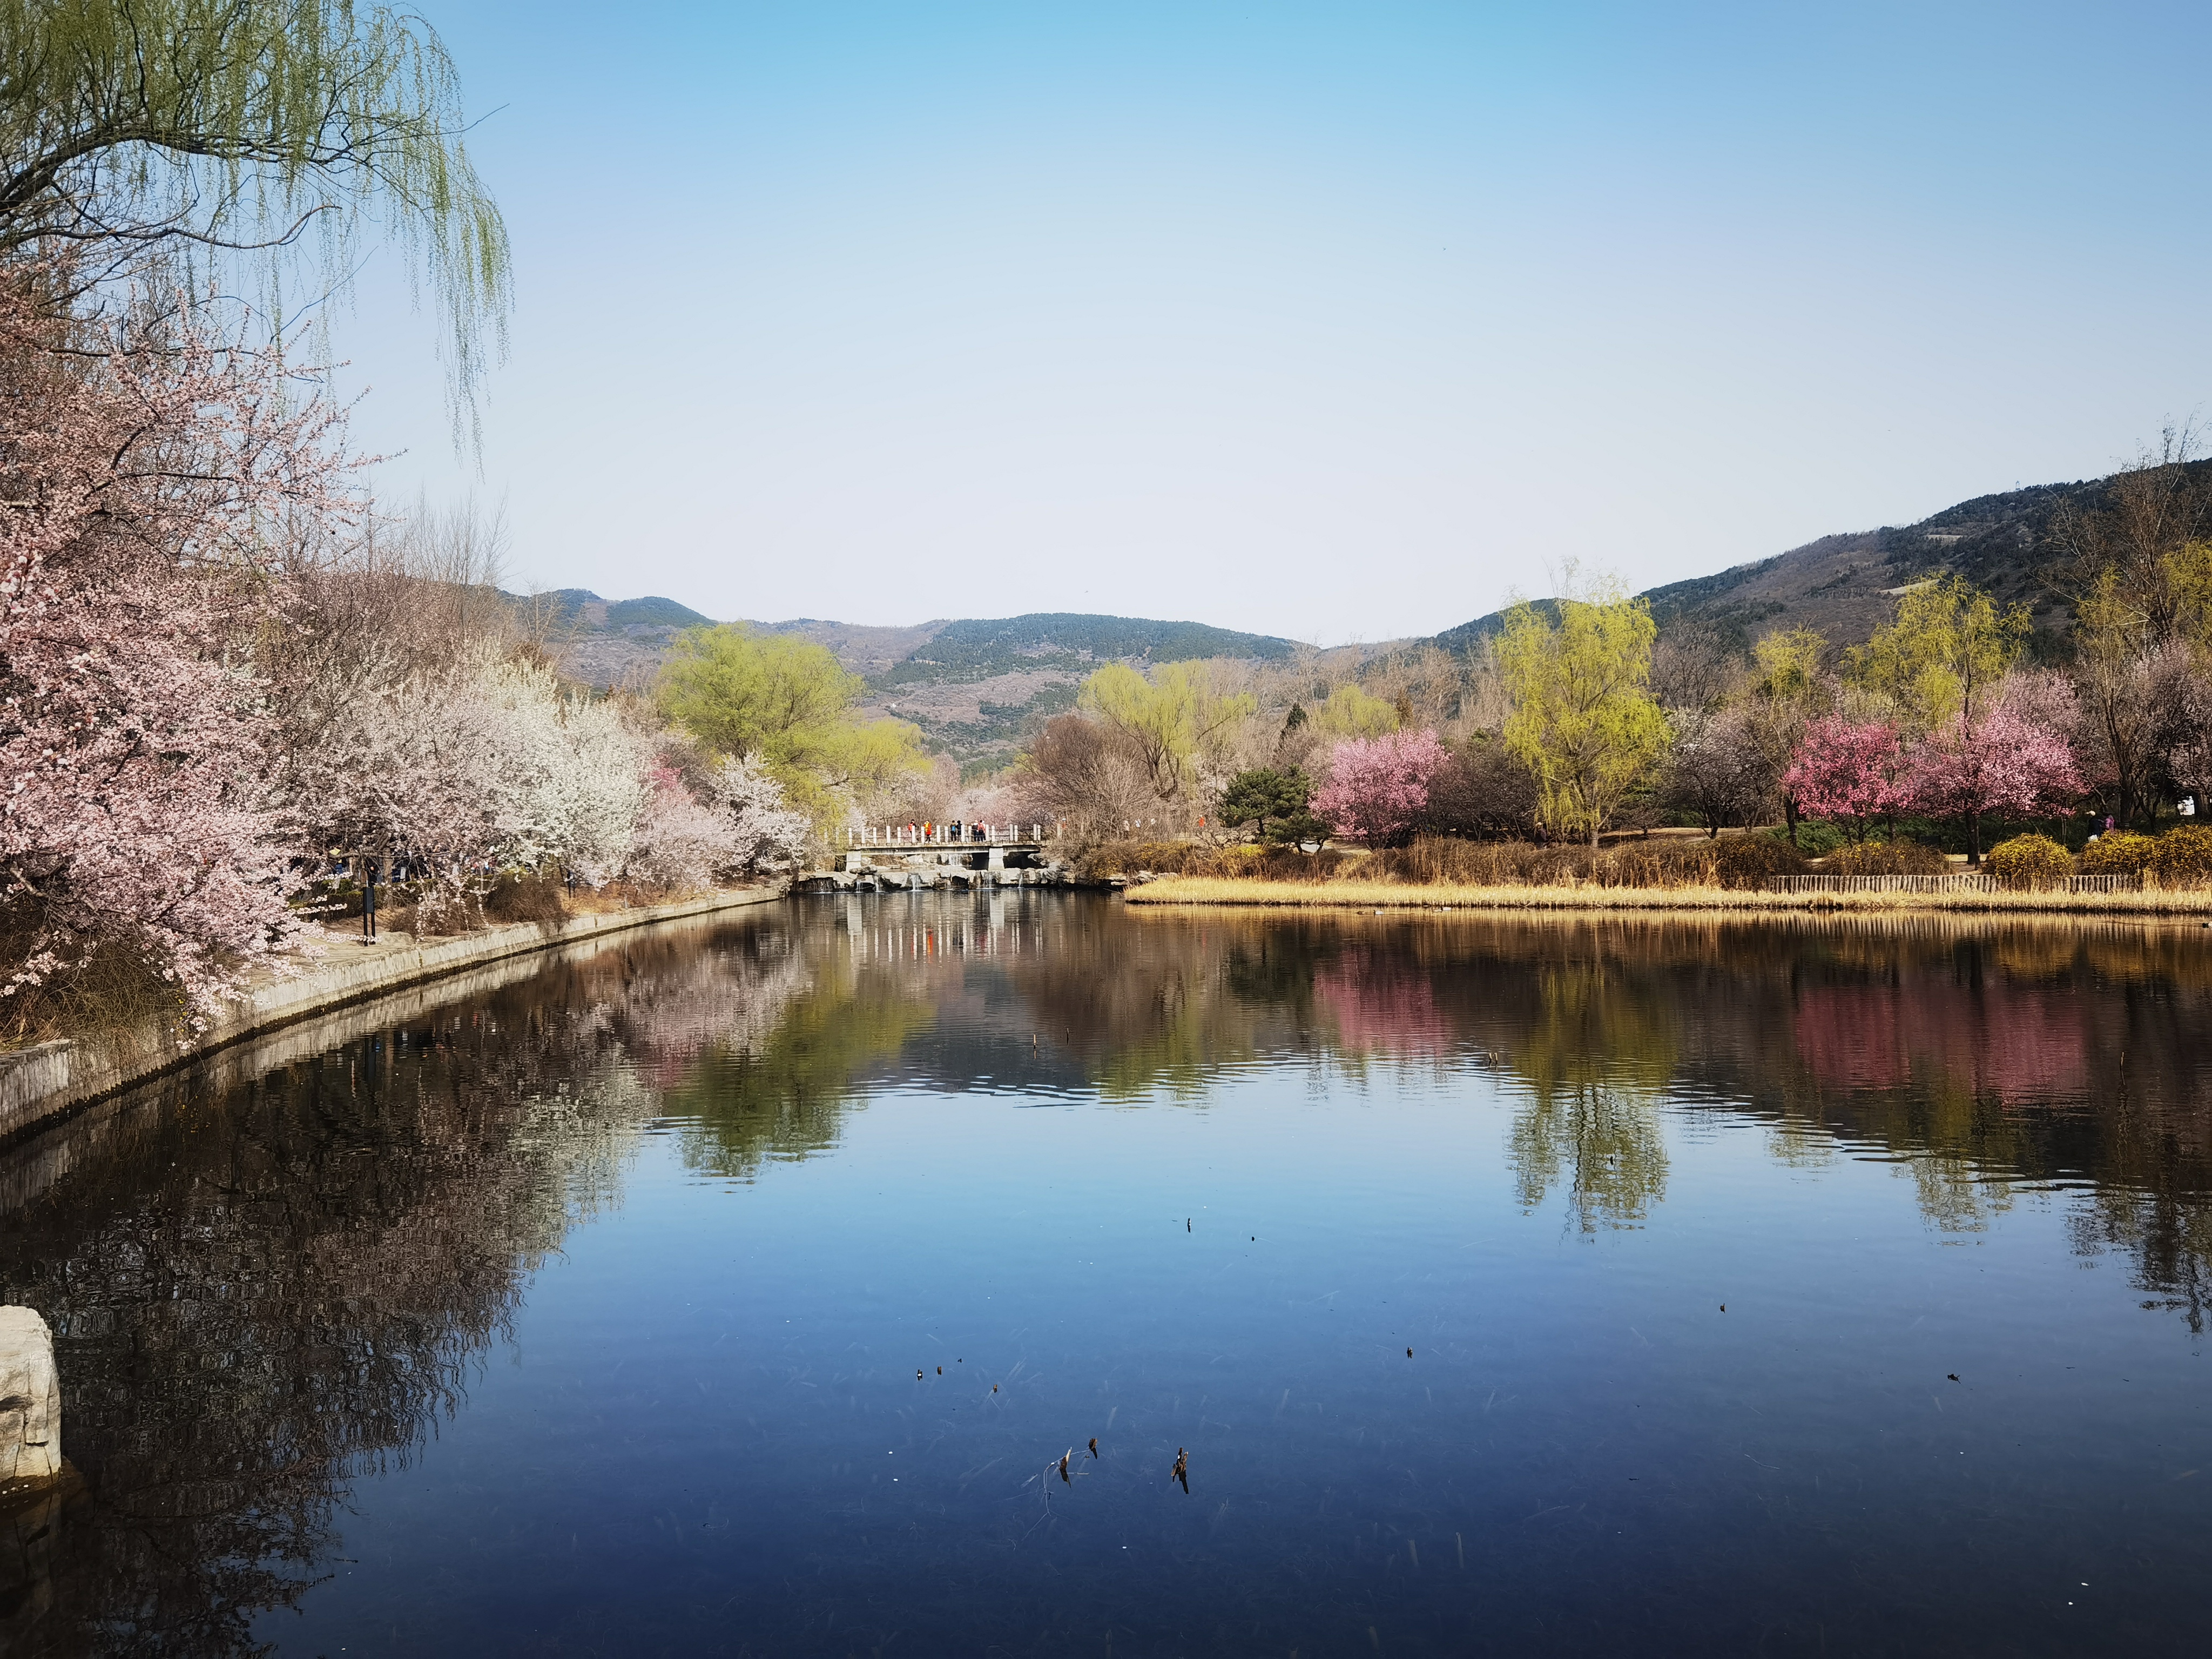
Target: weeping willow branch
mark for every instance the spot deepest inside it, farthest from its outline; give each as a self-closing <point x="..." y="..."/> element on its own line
<point x="171" y="134"/>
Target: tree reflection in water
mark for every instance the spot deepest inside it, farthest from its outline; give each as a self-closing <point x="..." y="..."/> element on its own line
<point x="1980" y="1055"/>
<point x="261" y="1291"/>
<point x="259" y="1296"/>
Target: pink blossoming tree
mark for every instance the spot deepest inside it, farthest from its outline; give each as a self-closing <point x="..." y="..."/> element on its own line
<point x="1848" y="772"/>
<point x="153" y="484"/>
<point x="1378" y="786"/>
<point x="2006" y="763"/>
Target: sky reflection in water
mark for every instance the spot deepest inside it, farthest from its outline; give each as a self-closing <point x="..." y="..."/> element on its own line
<point x="582" y="1313"/>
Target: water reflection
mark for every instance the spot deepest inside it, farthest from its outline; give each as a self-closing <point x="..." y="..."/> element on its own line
<point x="265" y="1293"/>
<point x="260" y="1297"/>
<point x="1981" y="1055"/>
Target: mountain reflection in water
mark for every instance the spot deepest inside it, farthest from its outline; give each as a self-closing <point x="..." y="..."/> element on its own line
<point x="276" y="1280"/>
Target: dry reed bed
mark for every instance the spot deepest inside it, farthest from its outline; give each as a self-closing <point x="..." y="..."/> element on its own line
<point x="1387" y="895"/>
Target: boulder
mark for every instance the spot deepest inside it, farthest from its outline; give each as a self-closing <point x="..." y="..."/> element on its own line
<point x="30" y="1402"/>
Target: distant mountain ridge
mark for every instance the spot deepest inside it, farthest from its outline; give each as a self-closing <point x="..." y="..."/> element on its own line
<point x="577" y="608"/>
<point x="973" y="685"/>
<point x="977" y="686"/>
<point x="1846" y="585"/>
<point x="979" y="649"/>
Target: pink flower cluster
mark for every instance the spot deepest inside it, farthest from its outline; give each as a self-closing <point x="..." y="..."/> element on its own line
<point x="150" y="490"/>
<point x="1855" y="773"/>
<point x="1378" y="786"/>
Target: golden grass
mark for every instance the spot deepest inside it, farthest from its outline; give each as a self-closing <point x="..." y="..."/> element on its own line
<point x="1407" y="896"/>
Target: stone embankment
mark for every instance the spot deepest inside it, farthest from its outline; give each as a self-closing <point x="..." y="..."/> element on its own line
<point x="40" y="1083"/>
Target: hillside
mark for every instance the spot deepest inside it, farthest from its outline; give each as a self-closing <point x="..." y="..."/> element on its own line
<point x="975" y="686"/>
<point x="1845" y="586"/>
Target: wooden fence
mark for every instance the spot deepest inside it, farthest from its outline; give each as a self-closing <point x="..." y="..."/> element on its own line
<point x="1960" y="882"/>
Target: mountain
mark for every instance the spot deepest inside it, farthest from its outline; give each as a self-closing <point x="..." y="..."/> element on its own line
<point x="606" y="641"/>
<point x="968" y="651"/>
<point x="978" y="687"/>
<point x="975" y="686"/>
<point x="580" y="608"/>
<point x="1846" y="585"/>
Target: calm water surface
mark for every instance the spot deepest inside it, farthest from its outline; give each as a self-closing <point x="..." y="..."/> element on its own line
<point x="1562" y="1287"/>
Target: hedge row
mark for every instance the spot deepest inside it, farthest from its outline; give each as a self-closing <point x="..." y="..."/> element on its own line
<point x="2180" y="857"/>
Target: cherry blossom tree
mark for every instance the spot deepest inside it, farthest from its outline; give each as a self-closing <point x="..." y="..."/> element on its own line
<point x="677" y="841"/>
<point x="572" y="778"/>
<point x="493" y="763"/>
<point x="153" y="484"/>
<point x="1848" y="772"/>
<point x="764" y="828"/>
<point x="414" y="766"/>
<point x="1378" y="786"/>
<point x="2006" y="762"/>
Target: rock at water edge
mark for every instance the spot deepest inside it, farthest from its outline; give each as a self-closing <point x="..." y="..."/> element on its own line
<point x="30" y="1401"/>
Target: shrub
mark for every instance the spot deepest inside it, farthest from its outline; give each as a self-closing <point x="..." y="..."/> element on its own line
<point x="2120" y="853"/>
<point x="1888" y="858"/>
<point x="525" y="898"/>
<point x="1480" y="863"/>
<point x="2183" y="857"/>
<point x="1749" y="861"/>
<point x="1814" y="838"/>
<point x="1732" y="861"/>
<point x="1178" y="858"/>
<point x="2027" y="861"/>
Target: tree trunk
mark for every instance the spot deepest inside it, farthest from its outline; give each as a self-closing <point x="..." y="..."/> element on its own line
<point x="1973" y="839"/>
<point x="1789" y="816"/>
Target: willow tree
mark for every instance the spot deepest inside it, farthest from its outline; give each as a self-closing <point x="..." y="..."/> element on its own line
<point x="1352" y="711"/>
<point x="1944" y="655"/>
<point x="787" y="704"/>
<point x="171" y="140"/>
<point x="1173" y="718"/>
<point x="1583" y="720"/>
<point x="1787" y="693"/>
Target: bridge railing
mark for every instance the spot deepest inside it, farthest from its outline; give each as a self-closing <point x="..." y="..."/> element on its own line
<point x="943" y="834"/>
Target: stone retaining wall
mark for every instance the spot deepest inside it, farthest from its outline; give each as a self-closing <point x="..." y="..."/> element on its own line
<point x="40" y="1083"/>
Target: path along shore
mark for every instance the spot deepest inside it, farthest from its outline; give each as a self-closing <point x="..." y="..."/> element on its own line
<point x="43" y="1082"/>
<point x="2194" y="903"/>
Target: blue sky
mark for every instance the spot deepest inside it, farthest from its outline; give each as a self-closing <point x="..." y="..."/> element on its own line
<point x="1335" y="322"/>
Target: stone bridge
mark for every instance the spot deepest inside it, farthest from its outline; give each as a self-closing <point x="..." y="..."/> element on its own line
<point x="880" y="858"/>
<point x="925" y="837"/>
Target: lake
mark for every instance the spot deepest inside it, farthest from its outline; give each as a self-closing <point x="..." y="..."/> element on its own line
<point x="1552" y="1287"/>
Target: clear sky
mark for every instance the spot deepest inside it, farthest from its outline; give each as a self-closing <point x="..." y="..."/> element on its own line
<point x="1337" y="322"/>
